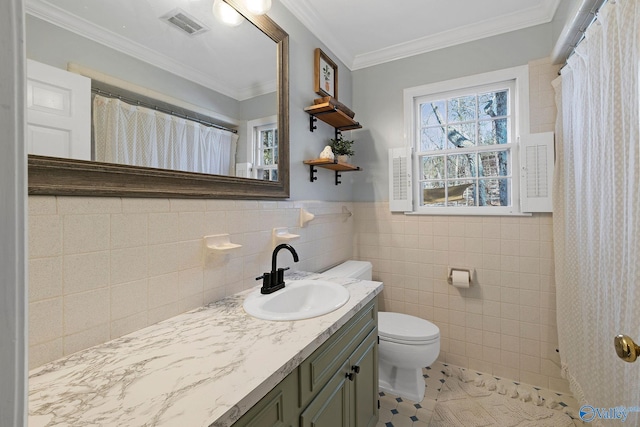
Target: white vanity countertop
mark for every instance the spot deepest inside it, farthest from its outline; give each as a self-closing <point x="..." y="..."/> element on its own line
<point x="206" y="367"/>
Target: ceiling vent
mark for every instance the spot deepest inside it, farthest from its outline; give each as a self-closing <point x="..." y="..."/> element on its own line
<point x="184" y="22"/>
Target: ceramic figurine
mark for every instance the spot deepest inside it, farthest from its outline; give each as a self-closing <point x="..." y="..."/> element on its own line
<point x="327" y="153"/>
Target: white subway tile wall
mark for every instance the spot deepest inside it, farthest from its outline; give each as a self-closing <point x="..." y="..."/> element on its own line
<point x="100" y="268"/>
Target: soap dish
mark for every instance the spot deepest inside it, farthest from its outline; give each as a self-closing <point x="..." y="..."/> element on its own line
<point x="282" y="234"/>
<point x="220" y="243"/>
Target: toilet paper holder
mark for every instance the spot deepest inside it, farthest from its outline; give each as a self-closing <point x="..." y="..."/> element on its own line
<point x="450" y="271"/>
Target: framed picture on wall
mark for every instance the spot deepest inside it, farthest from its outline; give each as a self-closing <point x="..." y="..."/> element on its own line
<point x="326" y="75"/>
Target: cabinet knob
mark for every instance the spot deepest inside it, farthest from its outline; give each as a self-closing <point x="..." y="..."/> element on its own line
<point x="349" y="375"/>
<point x="356" y="369"/>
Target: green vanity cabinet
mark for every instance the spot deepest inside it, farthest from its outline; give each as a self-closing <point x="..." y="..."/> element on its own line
<point x="337" y="386"/>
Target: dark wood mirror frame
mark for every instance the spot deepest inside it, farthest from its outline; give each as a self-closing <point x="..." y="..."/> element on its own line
<point x="57" y="176"/>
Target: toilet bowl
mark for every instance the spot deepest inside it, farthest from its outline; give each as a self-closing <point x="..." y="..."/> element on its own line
<point x="407" y="343"/>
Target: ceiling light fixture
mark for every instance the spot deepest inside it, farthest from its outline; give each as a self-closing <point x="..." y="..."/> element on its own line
<point x="226" y="14"/>
<point x="258" y="7"/>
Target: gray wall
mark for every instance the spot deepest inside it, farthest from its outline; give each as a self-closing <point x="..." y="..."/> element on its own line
<point x="378" y="94"/>
<point x="13" y="287"/>
<point x="304" y="144"/>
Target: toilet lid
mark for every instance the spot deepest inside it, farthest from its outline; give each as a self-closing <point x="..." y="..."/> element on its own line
<point x="398" y="326"/>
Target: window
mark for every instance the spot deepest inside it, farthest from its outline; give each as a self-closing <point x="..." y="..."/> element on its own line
<point x="464" y="136"/>
<point x="266" y="154"/>
<point x="464" y="147"/>
<point x="261" y="150"/>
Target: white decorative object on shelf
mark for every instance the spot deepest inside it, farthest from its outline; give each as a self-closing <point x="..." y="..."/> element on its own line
<point x="305" y="217"/>
<point x="327" y="153"/>
<point x="220" y="243"/>
<point x="282" y="235"/>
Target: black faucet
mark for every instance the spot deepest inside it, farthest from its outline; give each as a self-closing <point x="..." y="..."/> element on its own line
<point x="274" y="280"/>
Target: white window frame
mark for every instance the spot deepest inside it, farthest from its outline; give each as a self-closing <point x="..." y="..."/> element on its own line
<point x="253" y="130"/>
<point x="520" y="125"/>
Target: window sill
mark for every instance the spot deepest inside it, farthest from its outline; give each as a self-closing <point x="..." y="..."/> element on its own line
<point x="466" y="212"/>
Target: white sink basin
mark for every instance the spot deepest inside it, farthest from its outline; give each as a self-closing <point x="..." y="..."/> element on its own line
<point x="300" y="299"/>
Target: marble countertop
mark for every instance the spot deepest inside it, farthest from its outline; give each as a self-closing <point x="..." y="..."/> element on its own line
<point x="206" y="367"/>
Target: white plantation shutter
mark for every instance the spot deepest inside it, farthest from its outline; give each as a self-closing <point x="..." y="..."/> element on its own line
<point x="400" y="191"/>
<point x="536" y="178"/>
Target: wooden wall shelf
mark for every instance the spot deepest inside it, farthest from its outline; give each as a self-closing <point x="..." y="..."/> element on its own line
<point x="331" y="115"/>
<point x="333" y="165"/>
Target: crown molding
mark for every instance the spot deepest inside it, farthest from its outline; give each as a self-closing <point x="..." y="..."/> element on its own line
<point x="476" y="31"/>
<point x="314" y="23"/>
<point x="540" y="14"/>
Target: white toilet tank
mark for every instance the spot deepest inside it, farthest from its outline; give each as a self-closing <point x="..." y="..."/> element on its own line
<point x="361" y="270"/>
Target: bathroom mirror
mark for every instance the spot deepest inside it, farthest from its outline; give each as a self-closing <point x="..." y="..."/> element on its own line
<point x="60" y="176"/>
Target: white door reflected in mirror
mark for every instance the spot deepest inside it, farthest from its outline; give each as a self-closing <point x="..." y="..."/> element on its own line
<point x="58" y="112"/>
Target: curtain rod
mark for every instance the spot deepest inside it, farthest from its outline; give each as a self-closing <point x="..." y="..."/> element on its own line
<point x="574" y="33"/>
<point x="132" y="101"/>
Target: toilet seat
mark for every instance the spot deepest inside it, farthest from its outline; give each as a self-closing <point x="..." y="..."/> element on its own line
<point x="404" y="329"/>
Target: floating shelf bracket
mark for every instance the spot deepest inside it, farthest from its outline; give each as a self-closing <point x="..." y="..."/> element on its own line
<point x="312" y="123"/>
<point x="334" y="165"/>
<point x="312" y="173"/>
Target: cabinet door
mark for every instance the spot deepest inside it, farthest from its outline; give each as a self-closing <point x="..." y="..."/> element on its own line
<point x="330" y="407"/>
<point x="318" y="368"/>
<point x="364" y="412"/>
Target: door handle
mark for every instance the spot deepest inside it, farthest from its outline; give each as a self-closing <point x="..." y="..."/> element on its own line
<point x="626" y="348"/>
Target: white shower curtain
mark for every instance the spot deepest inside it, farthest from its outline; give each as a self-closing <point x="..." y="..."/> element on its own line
<point x="597" y="210"/>
<point x="132" y="135"/>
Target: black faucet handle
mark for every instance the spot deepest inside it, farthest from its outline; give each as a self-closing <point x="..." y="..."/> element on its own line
<point x="266" y="279"/>
<point x="280" y="275"/>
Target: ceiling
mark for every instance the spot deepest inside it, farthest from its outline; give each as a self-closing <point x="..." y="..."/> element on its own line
<point x="362" y="33"/>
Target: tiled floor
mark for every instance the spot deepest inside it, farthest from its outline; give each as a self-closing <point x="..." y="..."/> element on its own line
<point x="398" y="412"/>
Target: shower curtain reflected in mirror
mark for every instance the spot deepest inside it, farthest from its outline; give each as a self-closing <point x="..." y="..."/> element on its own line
<point x="597" y="210"/>
<point x="133" y="135"/>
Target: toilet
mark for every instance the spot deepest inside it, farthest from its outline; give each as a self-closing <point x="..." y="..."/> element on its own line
<point x="407" y="343"/>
